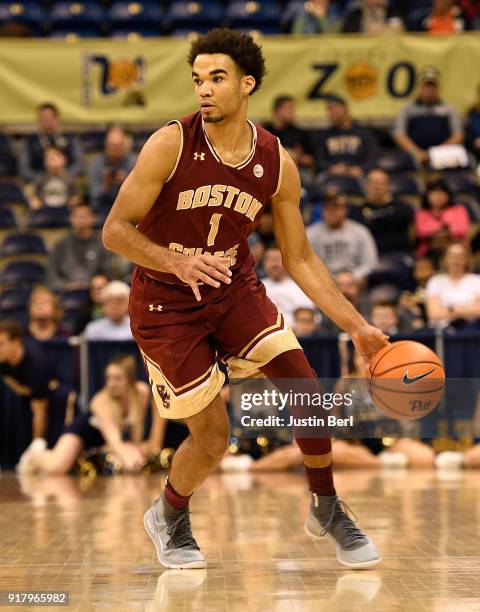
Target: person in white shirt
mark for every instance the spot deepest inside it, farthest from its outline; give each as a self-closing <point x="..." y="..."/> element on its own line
<point x="455" y="294"/>
<point x="281" y="289"/>
<point x="342" y="244"/>
<point x="115" y="325"/>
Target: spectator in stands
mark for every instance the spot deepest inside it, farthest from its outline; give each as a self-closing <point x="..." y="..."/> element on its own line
<point x="388" y="317"/>
<point x="389" y="220"/>
<point x="472" y="130"/>
<point x="471" y="10"/>
<point x="340" y="242"/>
<point x="49" y="134"/>
<point x="115" y="324"/>
<point x="453" y="297"/>
<point x="428" y="121"/>
<point x="345" y="147"/>
<point x="414" y="302"/>
<point x="45" y="315"/>
<point x="285" y="128"/>
<point x="350" y="287"/>
<point x="115" y="421"/>
<point x="25" y="369"/>
<point x="317" y="17"/>
<point x="305" y="322"/>
<point x="371" y="17"/>
<point x="109" y="169"/>
<point x="445" y="18"/>
<point x="439" y="216"/>
<point x="55" y="187"/>
<point x="93" y="310"/>
<point x="281" y="289"/>
<point x="75" y="259"/>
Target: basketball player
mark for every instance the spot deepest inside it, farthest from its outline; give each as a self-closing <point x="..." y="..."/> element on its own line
<point x="183" y="216"/>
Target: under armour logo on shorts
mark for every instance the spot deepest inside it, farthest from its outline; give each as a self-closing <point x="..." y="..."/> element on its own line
<point x="164" y="395"/>
<point x="155" y="307"/>
<point x="200" y="156"/>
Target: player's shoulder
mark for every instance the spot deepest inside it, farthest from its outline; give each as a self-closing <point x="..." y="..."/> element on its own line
<point x="169" y="137"/>
<point x="266" y="138"/>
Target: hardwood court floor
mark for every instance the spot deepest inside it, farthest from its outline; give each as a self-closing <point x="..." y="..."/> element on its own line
<point x="87" y="537"/>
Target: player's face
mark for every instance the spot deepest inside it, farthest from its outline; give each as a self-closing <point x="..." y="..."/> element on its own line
<point x="219" y="86"/>
<point x="116" y="381"/>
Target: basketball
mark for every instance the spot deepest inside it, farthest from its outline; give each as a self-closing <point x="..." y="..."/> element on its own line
<point x="407" y="380"/>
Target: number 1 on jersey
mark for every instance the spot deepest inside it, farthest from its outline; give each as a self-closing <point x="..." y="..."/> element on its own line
<point x="214" y="223"/>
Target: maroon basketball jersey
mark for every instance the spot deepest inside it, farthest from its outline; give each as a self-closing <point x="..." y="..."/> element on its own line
<point x="209" y="206"/>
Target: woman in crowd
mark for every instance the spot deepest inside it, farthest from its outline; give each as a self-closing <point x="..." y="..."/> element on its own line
<point x="45" y="315"/>
<point x="453" y="297"/>
<point x="116" y="421"/>
<point x="440" y="220"/>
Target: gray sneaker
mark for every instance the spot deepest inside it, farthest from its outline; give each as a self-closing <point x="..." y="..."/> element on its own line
<point x="328" y="515"/>
<point x="171" y="532"/>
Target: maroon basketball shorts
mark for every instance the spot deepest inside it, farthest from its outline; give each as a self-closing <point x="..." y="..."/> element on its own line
<point x="181" y="340"/>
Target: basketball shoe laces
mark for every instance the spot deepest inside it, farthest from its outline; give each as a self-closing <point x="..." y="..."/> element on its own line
<point x="179" y="531"/>
<point x="342" y="527"/>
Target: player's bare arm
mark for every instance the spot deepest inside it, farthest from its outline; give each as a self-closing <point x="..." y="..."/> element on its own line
<point x="136" y="197"/>
<point x="308" y="270"/>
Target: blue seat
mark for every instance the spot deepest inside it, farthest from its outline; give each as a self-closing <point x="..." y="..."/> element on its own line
<point x="7" y="219"/>
<point x="139" y="32"/>
<point x="183" y="14"/>
<point x="185" y="32"/>
<point x="72" y="14"/>
<point x="89" y="31"/>
<point x="133" y="14"/>
<point x="263" y="28"/>
<point x="8" y="162"/>
<point x="75" y="300"/>
<point x="23" y="273"/>
<point x="23" y="244"/>
<point x="348" y="185"/>
<point x="13" y="300"/>
<point x="252" y="15"/>
<point x="405" y="185"/>
<point x="93" y="141"/>
<point x="462" y="184"/>
<point x="396" y="161"/>
<point x="29" y="12"/>
<point x="49" y="218"/>
<point x="10" y="193"/>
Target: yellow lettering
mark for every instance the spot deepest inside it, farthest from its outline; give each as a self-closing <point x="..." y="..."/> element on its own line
<point x="232" y="254"/>
<point x="217" y="195"/>
<point x="185" y="199"/>
<point x="174" y="246"/>
<point x="201" y="196"/>
<point x="189" y="252"/>
<point x="232" y="192"/>
<point x="255" y="206"/>
<point x="243" y="202"/>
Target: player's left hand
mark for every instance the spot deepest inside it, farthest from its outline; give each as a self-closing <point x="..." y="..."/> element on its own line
<point x="368" y="341"/>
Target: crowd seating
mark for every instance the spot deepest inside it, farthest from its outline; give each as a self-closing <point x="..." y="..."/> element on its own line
<point x="93" y="18"/>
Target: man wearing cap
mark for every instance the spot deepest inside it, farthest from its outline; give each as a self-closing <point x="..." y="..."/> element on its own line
<point x="428" y="121"/>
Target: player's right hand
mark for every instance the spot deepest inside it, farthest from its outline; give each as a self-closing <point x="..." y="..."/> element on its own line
<point x="208" y="269"/>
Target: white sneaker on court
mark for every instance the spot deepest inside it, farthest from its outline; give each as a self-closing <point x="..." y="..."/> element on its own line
<point x="25" y="464"/>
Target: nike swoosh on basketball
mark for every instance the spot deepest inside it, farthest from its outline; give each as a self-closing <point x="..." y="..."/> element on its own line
<point x="410" y="381"/>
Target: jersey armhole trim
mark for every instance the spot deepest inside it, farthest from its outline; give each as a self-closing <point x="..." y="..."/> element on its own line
<point x="280" y="170"/>
<point x="180" y="151"/>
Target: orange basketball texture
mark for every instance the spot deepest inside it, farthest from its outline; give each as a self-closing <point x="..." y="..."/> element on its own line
<point x="407" y="380"/>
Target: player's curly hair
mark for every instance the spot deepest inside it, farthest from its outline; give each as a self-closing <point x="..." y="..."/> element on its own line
<point x="239" y="46"/>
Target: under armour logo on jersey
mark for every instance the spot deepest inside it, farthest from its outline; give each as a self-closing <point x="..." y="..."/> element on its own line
<point x="164" y="396"/>
<point x="155" y="307"/>
<point x="200" y="156"/>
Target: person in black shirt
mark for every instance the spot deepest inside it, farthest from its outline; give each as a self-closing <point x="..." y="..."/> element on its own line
<point x="345" y="147"/>
<point x="25" y="370"/>
<point x="293" y="138"/>
<point x="49" y="134"/>
<point x="389" y="220"/>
